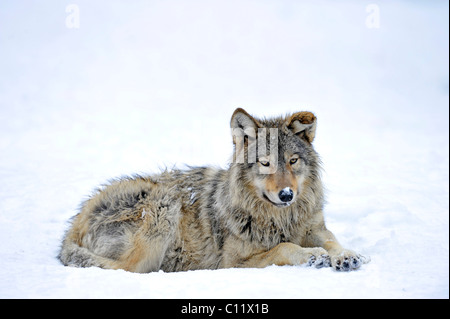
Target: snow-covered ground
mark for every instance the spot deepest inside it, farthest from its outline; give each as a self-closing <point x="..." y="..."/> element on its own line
<point x="141" y="85"/>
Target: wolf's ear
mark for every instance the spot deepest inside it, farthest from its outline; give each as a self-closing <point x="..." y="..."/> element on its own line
<point x="303" y="124"/>
<point x="242" y="120"/>
<point x="243" y="123"/>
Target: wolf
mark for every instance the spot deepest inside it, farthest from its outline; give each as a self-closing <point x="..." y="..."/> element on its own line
<point x="265" y="208"/>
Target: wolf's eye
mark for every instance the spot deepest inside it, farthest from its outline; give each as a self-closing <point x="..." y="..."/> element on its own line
<point x="264" y="163"/>
<point x="293" y="161"/>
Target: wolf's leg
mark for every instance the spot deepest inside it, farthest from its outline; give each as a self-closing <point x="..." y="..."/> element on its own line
<point x="114" y="230"/>
<point x="288" y="254"/>
<point x="147" y="250"/>
<point x="143" y="250"/>
<point x="341" y="258"/>
<point x="148" y="245"/>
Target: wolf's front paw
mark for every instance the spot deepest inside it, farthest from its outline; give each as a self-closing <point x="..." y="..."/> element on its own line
<point x="319" y="261"/>
<point x="348" y="260"/>
<point x="317" y="257"/>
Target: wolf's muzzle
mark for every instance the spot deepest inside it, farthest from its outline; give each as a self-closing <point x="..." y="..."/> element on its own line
<point x="286" y="195"/>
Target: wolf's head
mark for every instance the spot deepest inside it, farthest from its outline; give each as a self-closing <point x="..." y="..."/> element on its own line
<point x="276" y="155"/>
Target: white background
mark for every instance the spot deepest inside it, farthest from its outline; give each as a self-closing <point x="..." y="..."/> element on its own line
<point x="141" y="85"/>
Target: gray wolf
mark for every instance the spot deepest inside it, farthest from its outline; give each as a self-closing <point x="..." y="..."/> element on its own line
<point x="266" y="208"/>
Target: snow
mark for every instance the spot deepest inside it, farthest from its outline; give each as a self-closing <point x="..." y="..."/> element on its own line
<point x="150" y="84"/>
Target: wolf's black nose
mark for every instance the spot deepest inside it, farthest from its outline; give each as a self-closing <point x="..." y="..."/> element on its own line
<point x="286" y="195"/>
